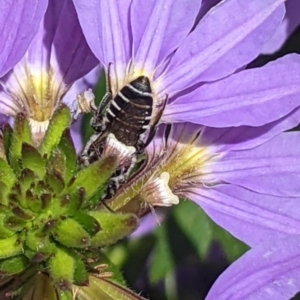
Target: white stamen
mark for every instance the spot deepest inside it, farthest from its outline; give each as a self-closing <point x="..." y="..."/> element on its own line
<point x="156" y="191"/>
<point x="85" y="103"/>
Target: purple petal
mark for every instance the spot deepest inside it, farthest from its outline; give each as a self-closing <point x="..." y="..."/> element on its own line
<point x="272" y="168"/>
<point x="106" y="28"/>
<point x="19" y="23"/>
<point x="242" y="212"/>
<point x="252" y="97"/>
<point x="230" y="36"/>
<point x="158" y="27"/>
<point x="246" y="137"/>
<point x="286" y="28"/>
<point x="70" y="53"/>
<point x="268" y="271"/>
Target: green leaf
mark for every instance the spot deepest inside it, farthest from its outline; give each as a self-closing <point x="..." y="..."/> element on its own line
<point x="232" y="247"/>
<point x="71" y="234"/>
<point x="32" y="160"/>
<point x="163" y="260"/>
<point x="21" y="134"/>
<point x="195" y="225"/>
<point x="13" y="265"/>
<point x="61" y="268"/>
<point x="114" y="227"/>
<point x="60" y="121"/>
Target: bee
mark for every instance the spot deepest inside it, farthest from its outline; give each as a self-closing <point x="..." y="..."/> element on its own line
<point x="130" y="116"/>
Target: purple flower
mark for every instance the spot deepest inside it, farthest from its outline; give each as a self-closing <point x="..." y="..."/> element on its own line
<point x="268" y="271"/>
<point x="286" y="28"/>
<point x="232" y="173"/>
<point x="56" y="58"/>
<point x="193" y="64"/>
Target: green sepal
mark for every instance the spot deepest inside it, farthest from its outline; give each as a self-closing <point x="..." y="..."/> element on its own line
<point x="60" y="121"/>
<point x="114" y="227"/>
<point x="88" y="223"/>
<point x="10" y="246"/>
<point x="7" y="175"/>
<point x="66" y="295"/>
<point x="71" y="234"/>
<point x="21" y="134"/>
<point x="13" y="265"/>
<point x="55" y="181"/>
<point x="32" y="160"/>
<point x="22" y="213"/>
<point x="93" y="178"/>
<point x="4" y="231"/>
<point x="57" y="161"/>
<point x="39" y="243"/>
<point x="81" y="277"/>
<point x="67" y="147"/>
<point x="14" y="223"/>
<point x="26" y="178"/>
<point x="100" y="288"/>
<point x="4" y="191"/>
<point x="34" y="203"/>
<point x="74" y="203"/>
<point x="61" y="267"/>
<point x="6" y="136"/>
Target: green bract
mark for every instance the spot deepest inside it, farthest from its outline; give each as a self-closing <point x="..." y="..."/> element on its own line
<point x="50" y="228"/>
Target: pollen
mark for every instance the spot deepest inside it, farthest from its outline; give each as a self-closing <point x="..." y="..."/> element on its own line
<point x="40" y="94"/>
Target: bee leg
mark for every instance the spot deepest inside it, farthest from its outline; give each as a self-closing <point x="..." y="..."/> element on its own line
<point x="153" y="128"/>
<point x="97" y="121"/>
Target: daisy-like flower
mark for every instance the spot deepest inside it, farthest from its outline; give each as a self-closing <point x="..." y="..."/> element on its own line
<point x="57" y="57"/>
<point x="195" y="57"/>
<point x="271" y="270"/>
<point x="229" y="172"/>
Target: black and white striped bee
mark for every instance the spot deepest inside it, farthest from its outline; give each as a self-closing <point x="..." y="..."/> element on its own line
<point x="130" y="114"/>
<point x="131" y="117"/>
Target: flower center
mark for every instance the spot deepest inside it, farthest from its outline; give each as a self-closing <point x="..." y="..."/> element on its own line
<point x="186" y="165"/>
<point x="39" y="92"/>
<point x="35" y="91"/>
